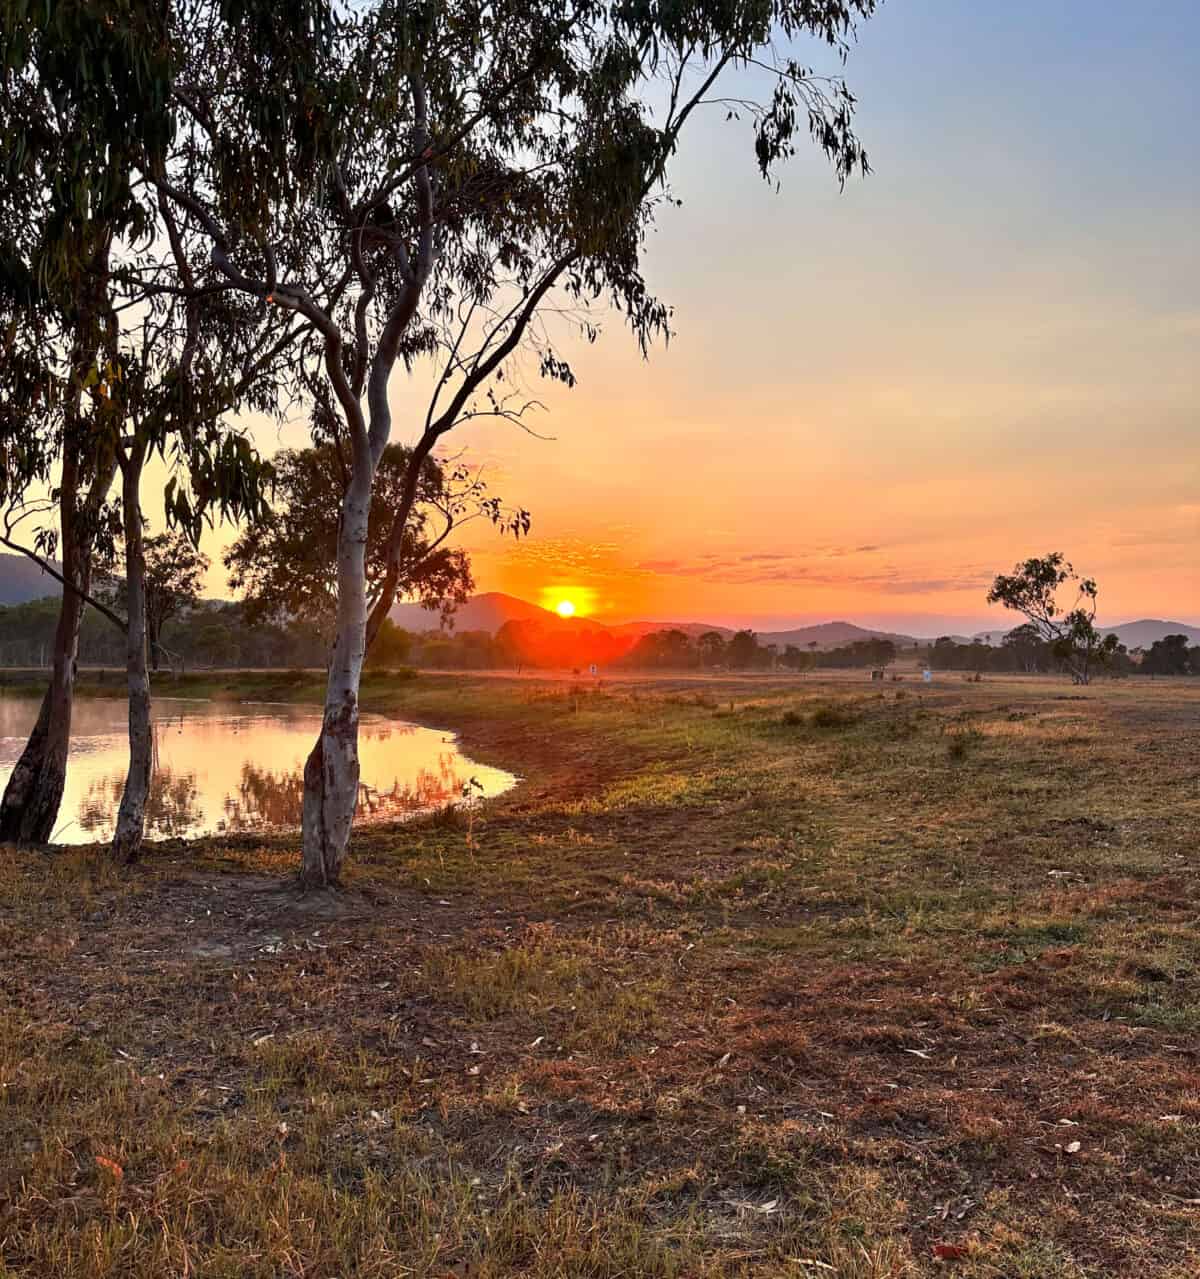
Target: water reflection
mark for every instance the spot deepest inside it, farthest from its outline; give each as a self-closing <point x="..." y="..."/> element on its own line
<point x="239" y="769"/>
<point x="269" y="800"/>
<point x="172" y="808"/>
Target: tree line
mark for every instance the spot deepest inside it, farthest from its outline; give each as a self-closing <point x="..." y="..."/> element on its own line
<point x="211" y="210"/>
<point x="744" y="651"/>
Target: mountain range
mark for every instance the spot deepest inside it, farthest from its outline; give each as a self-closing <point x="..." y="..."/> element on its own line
<point x="492" y="609"/>
<point x="21" y="581"/>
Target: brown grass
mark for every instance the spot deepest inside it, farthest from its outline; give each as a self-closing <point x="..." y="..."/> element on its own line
<point x="753" y="979"/>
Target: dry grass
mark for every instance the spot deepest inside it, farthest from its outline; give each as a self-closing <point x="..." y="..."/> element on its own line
<point x="746" y="979"/>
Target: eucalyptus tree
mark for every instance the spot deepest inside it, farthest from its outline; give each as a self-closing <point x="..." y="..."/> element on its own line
<point x="79" y="93"/>
<point x="174" y="571"/>
<point x="421" y="182"/>
<point x="285" y="565"/>
<point x="177" y="361"/>
<point x="116" y="345"/>
<point x="1033" y="588"/>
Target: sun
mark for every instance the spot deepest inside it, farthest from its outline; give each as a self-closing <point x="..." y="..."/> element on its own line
<point x="568" y="599"/>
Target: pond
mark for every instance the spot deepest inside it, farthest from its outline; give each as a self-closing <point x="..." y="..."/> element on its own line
<point x="227" y="768"/>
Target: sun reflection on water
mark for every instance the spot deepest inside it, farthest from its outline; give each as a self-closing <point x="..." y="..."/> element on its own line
<point x="240" y="770"/>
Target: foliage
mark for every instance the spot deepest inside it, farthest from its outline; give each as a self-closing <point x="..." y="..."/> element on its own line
<point x="743" y="651"/>
<point x="1032" y="589"/>
<point x="557" y="644"/>
<point x="671" y="649"/>
<point x="1171" y="656"/>
<point x="711" y="648"/>
<point x="174" y="569"/>
<point x="285" y="565"/>
<point x="814" y="913"/>
<point x="392" y="648"/>
<point x="427" y="185"/>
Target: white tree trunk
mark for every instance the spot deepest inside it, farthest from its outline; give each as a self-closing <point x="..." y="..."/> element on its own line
<point x="131" y="816"/>
<point x="331" y="772"/>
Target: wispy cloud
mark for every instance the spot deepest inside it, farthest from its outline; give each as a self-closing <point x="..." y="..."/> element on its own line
<point x="764" y="567"/>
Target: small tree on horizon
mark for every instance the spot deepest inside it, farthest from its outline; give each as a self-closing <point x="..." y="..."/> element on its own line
<point x="743" y="651"/>
<point x="1032" y="589"/>
<point x="174" y="569"/>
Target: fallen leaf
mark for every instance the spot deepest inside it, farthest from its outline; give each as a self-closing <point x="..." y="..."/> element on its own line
<point x="949" y="1251"/>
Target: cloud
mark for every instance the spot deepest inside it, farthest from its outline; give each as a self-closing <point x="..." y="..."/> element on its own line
<point x="753" y="568"/>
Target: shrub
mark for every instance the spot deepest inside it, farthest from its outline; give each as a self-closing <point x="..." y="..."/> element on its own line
<point x="962" y="741"/>
<point x="832" y="717"/>
<point x="402" y="674"/>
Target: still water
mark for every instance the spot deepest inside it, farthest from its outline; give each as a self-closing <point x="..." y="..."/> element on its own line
<point x="229" y="768"/>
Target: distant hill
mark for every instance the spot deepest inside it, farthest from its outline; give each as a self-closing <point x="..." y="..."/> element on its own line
<point x="831" y="635"/>
<point x="1139" y="634"/>
<point x="21" y="581"/>
<point x="693" y="630"/>
<point x="493" y="609"/>
<point x="1143" y="633"/>
<point x="486" y="612"/>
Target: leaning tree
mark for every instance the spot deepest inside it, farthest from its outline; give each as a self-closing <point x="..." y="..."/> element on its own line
<point x="1033" y="589"/>
<point x="424" y="183"/>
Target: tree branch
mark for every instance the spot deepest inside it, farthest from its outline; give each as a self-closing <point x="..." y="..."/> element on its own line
<point x="47" y="567"/>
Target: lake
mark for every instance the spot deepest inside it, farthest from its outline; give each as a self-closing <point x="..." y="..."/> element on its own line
<point x="225" y="768"/>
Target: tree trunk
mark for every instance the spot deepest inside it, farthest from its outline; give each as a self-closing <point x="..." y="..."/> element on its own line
<point x="331" y="771"/>
<point x="131" y="816"/>
<point x="33" y="796"/>
<point x="34" y="792"/>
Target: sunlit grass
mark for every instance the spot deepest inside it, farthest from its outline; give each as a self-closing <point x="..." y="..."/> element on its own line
<point x="744" y="979"/>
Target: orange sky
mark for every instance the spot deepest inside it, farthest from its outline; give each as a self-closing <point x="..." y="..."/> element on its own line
<point x="876" y="400"/>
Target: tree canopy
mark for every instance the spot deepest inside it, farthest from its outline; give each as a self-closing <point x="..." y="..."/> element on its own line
<point x="1033" y="587"/>
<point x="285" y="564"/>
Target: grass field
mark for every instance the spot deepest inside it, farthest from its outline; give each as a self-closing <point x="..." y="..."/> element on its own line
<point x="746" y="978"/>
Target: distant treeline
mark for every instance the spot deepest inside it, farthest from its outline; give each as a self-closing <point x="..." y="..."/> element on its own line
<point x="218" y="634"/>
<point x="209" y="634"/>
<point x="1023" y="651"/>
<point x="676" y="650"/>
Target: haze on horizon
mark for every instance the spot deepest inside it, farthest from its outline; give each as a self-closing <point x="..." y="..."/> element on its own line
<point x="877" y="399"/>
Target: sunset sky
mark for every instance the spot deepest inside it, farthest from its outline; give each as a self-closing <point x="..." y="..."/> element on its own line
<point x="877" y="399"/>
